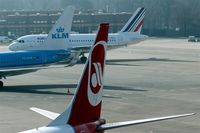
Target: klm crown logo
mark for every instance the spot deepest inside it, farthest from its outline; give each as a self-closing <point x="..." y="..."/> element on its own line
<point x="60" y="34"/>
<point x="60" y="29"/>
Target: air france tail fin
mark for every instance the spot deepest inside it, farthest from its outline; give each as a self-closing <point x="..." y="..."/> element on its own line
<point x="58" y="37"/>
<point x="86" y="104"/>
<point x="135" y="23"/>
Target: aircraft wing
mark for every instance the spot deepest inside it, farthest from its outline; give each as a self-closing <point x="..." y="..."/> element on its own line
<point x="108" y="126"/>
<point x="83" y="48"/>
<point x="86" y="48"/>
<point x="48" y="114"/>
<point x="17" y="71"/>
<point x="23" y="70"/>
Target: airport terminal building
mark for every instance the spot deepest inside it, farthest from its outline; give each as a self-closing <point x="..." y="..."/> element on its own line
<point x="18" y="23"/>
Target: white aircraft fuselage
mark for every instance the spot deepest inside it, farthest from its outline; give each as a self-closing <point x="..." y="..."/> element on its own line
<point x="35" y="42"/>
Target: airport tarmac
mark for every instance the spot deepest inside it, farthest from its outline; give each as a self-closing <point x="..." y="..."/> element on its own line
<point x="154" y="78"/>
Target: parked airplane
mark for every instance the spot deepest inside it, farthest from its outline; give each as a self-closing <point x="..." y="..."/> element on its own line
<point x="83" y="113"/>
<point x="54" y="50"/>
<point x="5" y="39"/>
<point x="81" y="43"/>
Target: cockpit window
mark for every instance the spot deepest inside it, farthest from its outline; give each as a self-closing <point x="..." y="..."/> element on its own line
<point x="21" y="41"/>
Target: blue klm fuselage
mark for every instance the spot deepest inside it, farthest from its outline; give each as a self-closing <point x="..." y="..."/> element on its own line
<point x="32" y="58"/>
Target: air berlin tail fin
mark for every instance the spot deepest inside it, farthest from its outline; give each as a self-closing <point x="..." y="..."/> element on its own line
<point x="86" y="104"/>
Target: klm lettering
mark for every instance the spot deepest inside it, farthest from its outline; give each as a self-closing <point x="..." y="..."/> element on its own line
<point x="60" y="35"/>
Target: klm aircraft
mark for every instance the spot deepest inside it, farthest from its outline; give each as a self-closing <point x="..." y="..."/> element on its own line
<point x="81" y="43"/>
<point x="53" y="50"/>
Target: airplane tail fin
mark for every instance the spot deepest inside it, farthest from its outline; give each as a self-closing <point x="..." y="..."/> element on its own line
<point x="86" y="104"/>
<point x="135" y="23"/>
<point x="58" y="37"/>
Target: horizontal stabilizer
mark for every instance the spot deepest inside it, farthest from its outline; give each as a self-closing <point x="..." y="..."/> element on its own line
<point x="48" y="114"/>
<point x="137" y="122"/>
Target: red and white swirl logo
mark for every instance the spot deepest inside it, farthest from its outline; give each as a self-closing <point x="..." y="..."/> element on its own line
<point x="95" y="75"/>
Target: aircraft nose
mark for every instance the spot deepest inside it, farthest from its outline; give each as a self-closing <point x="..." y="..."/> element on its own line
<point x="12" y="47"/>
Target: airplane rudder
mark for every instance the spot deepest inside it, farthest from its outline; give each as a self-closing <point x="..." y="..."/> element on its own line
<point x="103" y="33"/>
